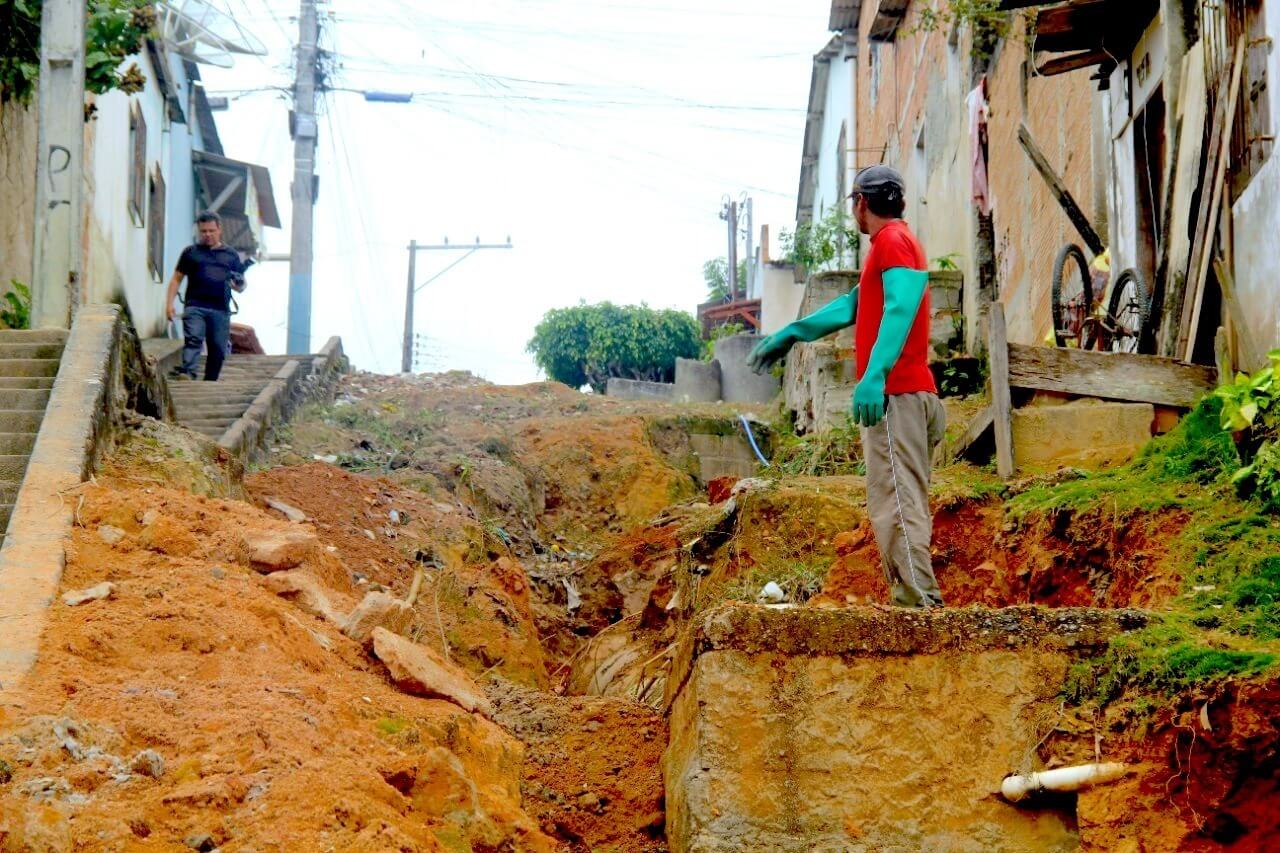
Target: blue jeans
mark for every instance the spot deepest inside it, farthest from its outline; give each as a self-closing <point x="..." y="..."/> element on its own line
<point x="206" y="328"/>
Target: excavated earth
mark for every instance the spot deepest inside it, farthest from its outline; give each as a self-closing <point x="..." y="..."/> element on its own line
<point x="558" y="551"/>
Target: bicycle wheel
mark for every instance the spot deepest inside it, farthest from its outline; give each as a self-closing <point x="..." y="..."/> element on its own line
<point x="1129" y="311"/>
<point x="1072" y="297"/>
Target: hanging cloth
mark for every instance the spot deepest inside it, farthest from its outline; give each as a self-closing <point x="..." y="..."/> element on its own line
<point x="978" y="115"/>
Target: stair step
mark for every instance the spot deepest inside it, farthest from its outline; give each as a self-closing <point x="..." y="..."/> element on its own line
<point x="199" y="423"/>
<point x="26" y="399"/>
<point x="9" y="491"/>
<point x="6" y="512"/>
<point x="195" y="413"/>
<point x="44" y="382"/>
<point x="17" y="442"/>
<point x="30" y="350"/>
<point x="16" y="420"/>
<point x="12" y="468"/>
<point x="29" y="366"/>
<point x="33" y="336"/>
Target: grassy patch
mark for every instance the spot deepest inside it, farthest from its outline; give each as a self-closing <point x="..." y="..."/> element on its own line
<point x="1227" y="621"/>
<point x="834" y="452"/>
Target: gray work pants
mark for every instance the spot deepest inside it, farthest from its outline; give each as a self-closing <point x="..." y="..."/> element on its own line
<point x="899" y="453"/>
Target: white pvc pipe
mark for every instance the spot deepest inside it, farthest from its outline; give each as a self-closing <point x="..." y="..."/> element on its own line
<point x="1015" y="788"/>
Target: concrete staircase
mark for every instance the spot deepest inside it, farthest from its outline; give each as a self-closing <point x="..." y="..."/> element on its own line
<point x="29" y="360"/>
<point x="212" y="407"/>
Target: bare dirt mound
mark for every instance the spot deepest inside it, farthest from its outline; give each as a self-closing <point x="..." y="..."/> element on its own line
<point x="593" y="773"/>
<point x="476" y="603"/>
<point x="194" y="708"/>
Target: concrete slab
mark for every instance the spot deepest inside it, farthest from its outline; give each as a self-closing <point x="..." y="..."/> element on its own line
<point x="697" y="381"/>
<point x="635" y="389"/>
<point x="1086" y="434"/>
<point x="867" y="729"/>
<point x="738" y="383"/>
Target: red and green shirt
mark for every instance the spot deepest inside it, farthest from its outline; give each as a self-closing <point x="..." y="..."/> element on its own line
<point x="893" y="246"/>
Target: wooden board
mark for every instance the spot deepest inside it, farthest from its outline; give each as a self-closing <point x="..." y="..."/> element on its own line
<point x="1202" y="259"/>
<point x="1087" y="232"/>
<point x="1189" y="146"/>
<point x="1001" y="395"/>
<point x="1246" y="348"/>
<point x="1110" y="376"/>
<point x="1072" y="62"/>
<point x="979" y="425"/>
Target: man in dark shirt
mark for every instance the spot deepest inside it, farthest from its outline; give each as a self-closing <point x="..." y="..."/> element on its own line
<point x="212" y="271"/>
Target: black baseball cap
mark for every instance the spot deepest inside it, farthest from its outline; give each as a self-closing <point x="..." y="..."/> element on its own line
<point x="880" y="180"/>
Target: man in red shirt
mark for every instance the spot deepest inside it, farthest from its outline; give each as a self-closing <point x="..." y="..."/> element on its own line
<point x="895" y="401"/>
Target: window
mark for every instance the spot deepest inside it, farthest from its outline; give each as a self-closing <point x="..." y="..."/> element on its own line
<point x="138" y="166"/>
<point x="155" y="225"/>
<point x="1251" y="135"/>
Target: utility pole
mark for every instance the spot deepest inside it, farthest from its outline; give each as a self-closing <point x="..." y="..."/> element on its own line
<point x="730" y="214"/>
<point x="298" y="339"/>
<point x="406" y="354"/>
<point x="751" y="255"/>
<point x="55" y="278"/>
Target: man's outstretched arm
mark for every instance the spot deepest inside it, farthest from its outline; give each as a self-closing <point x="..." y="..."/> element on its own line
<point x="832" y="317"/>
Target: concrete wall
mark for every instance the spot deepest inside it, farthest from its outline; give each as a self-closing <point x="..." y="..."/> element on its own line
<point x="1256" y="222"/>
<point x="780" y="296"/>
<point x="18" y="190"/>
<point x="635" y="389"/>
<point x="738" y="383"/>
<point x="116" y="264"/>
<point x="838" y="112"/>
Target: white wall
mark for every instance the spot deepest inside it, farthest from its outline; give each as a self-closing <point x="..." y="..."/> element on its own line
<point x="116" y="264"/>
<point x="780" y="297"/>
<point x="1256" y="223"/>
<point x="838" y="111"/>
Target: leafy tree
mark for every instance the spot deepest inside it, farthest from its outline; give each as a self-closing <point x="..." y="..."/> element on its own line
<point x="114" y="31"/>
<point x="588" y="344"/>
<point x="715" y="273"/>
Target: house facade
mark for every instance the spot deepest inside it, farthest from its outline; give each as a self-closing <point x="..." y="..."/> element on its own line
<point x="152" y="162"/>
<point x="1095" y="87"/>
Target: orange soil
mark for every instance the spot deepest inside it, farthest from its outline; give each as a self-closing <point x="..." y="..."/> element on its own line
<point x="1058" y="561"/>
<point x="277" y="733"/>
<point x="485" y="609"/>
<point x="593" y="769"/>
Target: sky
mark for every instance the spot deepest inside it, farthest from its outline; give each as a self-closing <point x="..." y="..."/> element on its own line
<point x="601" y="136"/>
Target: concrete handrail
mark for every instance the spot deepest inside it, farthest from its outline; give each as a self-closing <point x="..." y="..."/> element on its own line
<point x="87" y="401"/>
<point x="243" y="437"/>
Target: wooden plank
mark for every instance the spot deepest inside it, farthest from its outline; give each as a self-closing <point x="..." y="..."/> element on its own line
<point x="1001" y="396"/>
<point x="979" y="425"/>
<point x="1189" y="146"/>
<point x="1250" y="355"/>
<point x="1087" y="232"/>
<point x="1110" y="376"/>
<point x="1072" y="62"/>
<point x="1187" y="334"/>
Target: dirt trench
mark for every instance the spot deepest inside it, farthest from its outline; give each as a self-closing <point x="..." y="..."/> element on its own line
<point x="211" y="703"/>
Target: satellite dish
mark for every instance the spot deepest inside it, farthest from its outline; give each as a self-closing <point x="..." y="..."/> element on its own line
<point x="201" y="32"/>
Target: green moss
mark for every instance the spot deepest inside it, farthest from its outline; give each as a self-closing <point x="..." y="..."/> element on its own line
<point x="391" y="726"/>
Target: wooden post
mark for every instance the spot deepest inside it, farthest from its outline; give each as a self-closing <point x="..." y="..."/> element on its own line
<point x="1001" y="400"/>
<point x="1060" y="191"/>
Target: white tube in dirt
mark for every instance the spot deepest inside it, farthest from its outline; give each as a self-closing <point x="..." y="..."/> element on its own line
<point x="1016" y="788"/>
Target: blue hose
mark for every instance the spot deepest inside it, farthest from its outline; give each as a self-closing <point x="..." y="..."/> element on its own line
<point x="751" y="438"/>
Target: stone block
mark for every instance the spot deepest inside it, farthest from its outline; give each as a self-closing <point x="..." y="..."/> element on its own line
<point x="723" y="456"/>
<point x="697" y="381"/>
<point x="1084" y="434"/>
<point x="274" y="550"/>
<point x="636" y="389"/>
<point x="418" y="670"/>
<point x="739" y="383"/>
<point x="377" y="610"/>
<point x="799" y="729"/>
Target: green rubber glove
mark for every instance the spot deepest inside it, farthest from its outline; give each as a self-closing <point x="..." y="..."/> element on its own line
<point x="904" y="290"/>
<point x="832" y="317"/>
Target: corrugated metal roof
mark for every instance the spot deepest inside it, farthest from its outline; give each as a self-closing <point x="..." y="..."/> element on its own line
<point x="844" y="14"/>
